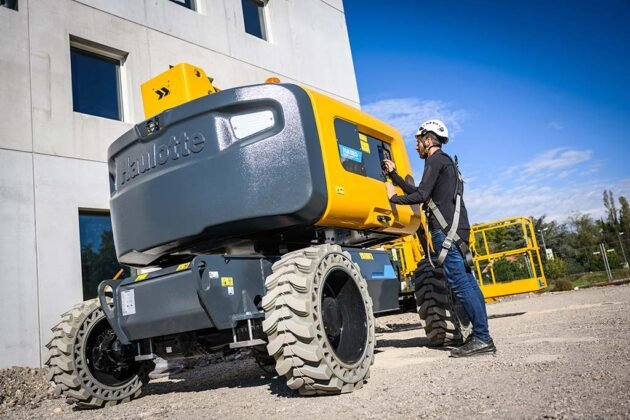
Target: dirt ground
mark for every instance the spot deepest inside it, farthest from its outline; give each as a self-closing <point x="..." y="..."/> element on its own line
<point x="560" y="355"/>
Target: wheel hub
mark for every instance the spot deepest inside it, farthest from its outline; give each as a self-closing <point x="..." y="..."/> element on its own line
<point x="344" y="316"/>
<point x="108" y="360"/>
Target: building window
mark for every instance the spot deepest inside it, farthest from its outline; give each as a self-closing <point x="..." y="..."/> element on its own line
<point x="254" y="18"/>
<point x="359" y="153"/>
<point x="10" y="4"/>
<point x="188" y="4"/>
<point x="96" y="87"/>
<point x="98" y="256"/>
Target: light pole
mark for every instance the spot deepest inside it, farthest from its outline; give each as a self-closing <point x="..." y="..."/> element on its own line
<point x="543" y="239"/>
<point x="623" y="252"/>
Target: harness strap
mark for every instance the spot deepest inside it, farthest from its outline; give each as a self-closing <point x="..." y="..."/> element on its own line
<point x="451" y="235"/>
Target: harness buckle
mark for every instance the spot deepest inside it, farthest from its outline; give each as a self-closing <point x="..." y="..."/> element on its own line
<point x="448" y="242"/>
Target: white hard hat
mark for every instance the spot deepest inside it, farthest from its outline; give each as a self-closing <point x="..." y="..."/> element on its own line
<point x="436" y="127"/>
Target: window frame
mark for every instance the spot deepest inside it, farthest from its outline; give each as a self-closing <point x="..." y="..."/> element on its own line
<point x="4" y="4"/>
<point x="110" y="54"/>
<point x="194" y="6"/>
<point x="263" y="21"/>
<point x="81" y="211"/>
<point x="360" y="132"/>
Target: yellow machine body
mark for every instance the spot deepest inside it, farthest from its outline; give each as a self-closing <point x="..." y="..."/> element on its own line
<point x="405" y="254"/>
<point x="179" y="84"/>
<point x="355" y="201"/>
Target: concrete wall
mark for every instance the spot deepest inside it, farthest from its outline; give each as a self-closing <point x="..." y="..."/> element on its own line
<point x="52" y="160"/>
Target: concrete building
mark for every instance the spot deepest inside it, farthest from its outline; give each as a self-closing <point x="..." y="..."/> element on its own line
<point x="53" y="146"/>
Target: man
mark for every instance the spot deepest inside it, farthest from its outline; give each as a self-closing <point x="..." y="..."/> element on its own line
<point x="439" y="186"/>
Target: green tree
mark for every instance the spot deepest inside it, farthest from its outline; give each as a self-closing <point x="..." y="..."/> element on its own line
<point x="507" y="269"/>
<point x="558" y="239"/>
<point x="611" y="208"/>
<point x="624" y="215"/>
<point x="585" y="239"/>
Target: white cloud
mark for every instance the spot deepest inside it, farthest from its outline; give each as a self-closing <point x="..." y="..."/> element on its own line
<point x="555" y="125"/>
<point x="554" y="183"/>
<point x="558" y="203"/>
<point x="551" y="162"/>
<point x="406" y="114"/>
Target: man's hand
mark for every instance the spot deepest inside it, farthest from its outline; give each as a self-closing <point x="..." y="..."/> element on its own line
<point x="389" y="166"/>
<point x="390" y="190"/>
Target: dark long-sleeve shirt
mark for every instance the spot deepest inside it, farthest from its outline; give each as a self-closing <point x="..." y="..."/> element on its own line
<point x="439" y="182"/>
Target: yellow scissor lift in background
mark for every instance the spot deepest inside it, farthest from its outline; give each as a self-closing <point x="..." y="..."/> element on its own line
<point x="514" y="269"/>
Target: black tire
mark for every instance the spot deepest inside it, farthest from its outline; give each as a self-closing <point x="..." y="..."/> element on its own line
<point x="444" y="319"/>
<point x="71" y="364"/>
<point x="319" y="321"/>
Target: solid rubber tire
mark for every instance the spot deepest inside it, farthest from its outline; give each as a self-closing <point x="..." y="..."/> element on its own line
<point x="294" y="325"/>
<point x="68" y="367"/>
<point x="444" y="325"/>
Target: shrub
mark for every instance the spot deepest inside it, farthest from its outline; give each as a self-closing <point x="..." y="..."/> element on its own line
<point x="562" y="285"/>
<point x="555" y="268"/>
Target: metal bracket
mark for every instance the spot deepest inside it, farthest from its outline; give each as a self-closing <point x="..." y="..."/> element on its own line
<point x="150" y="356"/>
<point x="109" y="308"/>
<point x="248" y="316"/>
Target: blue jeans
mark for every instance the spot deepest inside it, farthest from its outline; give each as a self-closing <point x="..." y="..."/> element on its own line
<point x="464" y="286"/>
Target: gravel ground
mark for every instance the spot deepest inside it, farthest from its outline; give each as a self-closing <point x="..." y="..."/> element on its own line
<point x="560" y="355"/>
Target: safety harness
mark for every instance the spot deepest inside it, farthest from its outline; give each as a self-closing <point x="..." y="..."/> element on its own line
<point x="451" y="234"/>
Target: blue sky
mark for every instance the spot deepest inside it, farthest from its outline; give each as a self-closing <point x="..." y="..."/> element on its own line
<point x="536" y="94"/>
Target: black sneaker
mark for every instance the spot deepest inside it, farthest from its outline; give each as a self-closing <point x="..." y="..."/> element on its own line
<point x="474" y="347"/>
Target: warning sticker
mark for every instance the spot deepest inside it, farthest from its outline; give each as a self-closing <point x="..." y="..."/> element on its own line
<point x="227" y="281"/>
<point x="128" y="302"/>
<point x="340" y="190"/>
<point x="213" y="274"/>
<point x="362" y="137"/>
<point x="230" y="290"/>
<point x="182" y="267"/>
<point x="365" y="146"/>
<point x="366" y="256"/>
<point x="142" y="277"/>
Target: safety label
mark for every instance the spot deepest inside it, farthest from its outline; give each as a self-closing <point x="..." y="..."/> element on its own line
<point x="128" y="302"/>
<point x="182" y="267"/>
<point x="350" y="153"/>
<point x="365" y="146"/>
<point x="142" y="276"/>
<point x="366" y="256"/>
<point x="213" y="274"/>
<point x="227" y="281"/>
<point x="230" y="290"/>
